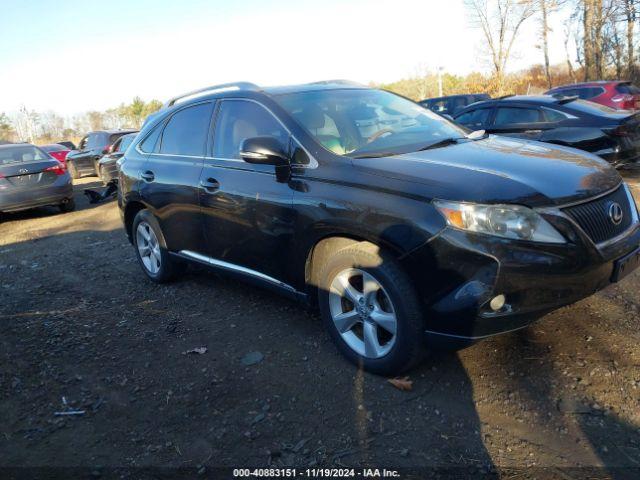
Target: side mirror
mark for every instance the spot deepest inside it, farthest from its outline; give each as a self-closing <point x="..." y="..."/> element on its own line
<point x="264" y="151"/>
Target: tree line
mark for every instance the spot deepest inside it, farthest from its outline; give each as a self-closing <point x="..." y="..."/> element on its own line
<point x="46" y="127"/>
<point x="604" y="33"/>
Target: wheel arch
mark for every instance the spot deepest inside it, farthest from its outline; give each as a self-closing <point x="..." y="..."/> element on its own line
<point x="130" y="211"/>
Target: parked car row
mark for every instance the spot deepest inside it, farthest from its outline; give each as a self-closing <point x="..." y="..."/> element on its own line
<point x="404" y="229"/>
<point x="85" y="160"/>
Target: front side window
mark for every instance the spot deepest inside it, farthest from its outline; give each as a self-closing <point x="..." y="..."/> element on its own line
<point x="475" y="119"/>
<point x="366" y="122"/>
<point x="509" y="116"/>
<point x="239" y="120"/>
<point x="83" y="144"/>
<point x="116" y="146"/>
<point x="187" y="131"/>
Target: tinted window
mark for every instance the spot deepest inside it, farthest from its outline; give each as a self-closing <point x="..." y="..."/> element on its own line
<point x="474" y="119"/>
<point x="125" y="142"/>
<point x="151" y="143"/>
<point x="553" y="116"/>
<point x="22" y="154"/>
<point x="187" y="131"/>
<point x="439" y="106"/>
<point x="508" y="115"/>
<point x="83" y="143"/>
<point x="589" y="92"/>
<point x="238" y="120"/>
<point x="456" y="104"/>
<point x="627" y="88"/>
<point x="591" y="108"/>
<point x="116" y="136"/>
<point x="116" y="145"/>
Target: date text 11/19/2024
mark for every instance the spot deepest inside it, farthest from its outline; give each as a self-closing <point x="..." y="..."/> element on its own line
<point x="315" y="473"/>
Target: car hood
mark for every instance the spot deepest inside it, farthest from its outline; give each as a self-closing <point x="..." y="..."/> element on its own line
<point x="500" y="170"/>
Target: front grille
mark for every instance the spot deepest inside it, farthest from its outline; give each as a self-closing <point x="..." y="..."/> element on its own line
<point x="593" y="217"/>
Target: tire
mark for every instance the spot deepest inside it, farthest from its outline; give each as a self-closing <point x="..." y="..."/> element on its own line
<point x="73" y="171"/>
<point x="102" y="175"/>
<point x="68" y="206"/>
<point x="389" y="354"/>
<point x="159" y="265"/>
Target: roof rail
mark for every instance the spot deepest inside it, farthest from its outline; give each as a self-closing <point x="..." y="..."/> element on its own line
<point x="337" y="82"/>
<point x="224" y="87"/>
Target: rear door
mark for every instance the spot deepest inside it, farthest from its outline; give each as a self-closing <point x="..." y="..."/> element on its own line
<point x="248" y="215"/>
<point x="170" y="175"/>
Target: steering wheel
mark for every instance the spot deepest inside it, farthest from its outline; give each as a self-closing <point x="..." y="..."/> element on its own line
<point x="379" y="133"/>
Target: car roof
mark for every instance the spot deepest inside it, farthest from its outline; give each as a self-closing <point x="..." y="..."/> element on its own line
<point x="111" y="132"/>
<point x="11" y="145"/>
<point x="595" y="83"/>
<point x="312" y="87"/>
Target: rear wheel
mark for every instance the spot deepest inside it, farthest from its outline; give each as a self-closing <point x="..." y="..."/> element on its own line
<point x="371" y="309"/>
<point x="73" y="171"/>
<point x="68" y="206"/>
<point x="154" y="258"/>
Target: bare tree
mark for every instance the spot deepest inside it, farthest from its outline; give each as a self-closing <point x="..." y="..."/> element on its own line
<point x="547" y="8"/>
<point x="630" y="12"/>
<point x="572" y="73"/>
<point x="500" y="22"/>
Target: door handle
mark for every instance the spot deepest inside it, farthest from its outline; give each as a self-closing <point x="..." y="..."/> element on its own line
<point x="210" y="185"/>
<point x="147" y="176"/>
<point x="532" y="131"/>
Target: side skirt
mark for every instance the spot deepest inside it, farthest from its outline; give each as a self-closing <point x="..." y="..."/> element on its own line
<point x="244" y="273"/>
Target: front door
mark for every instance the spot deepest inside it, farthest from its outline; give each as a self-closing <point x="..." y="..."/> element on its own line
<point x="248" y="215"/>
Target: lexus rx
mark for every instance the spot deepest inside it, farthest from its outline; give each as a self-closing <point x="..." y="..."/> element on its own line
<point x="400" y="225"/>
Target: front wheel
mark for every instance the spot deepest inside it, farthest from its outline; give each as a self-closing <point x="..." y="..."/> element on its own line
<point x="73" y="171"/>
<point x="153" y="256"/>
<point x="371" y="310"/>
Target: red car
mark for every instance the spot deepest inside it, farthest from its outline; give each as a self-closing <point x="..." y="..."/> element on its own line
<point x="59" y="152"/>
<point x="615" y="94"/>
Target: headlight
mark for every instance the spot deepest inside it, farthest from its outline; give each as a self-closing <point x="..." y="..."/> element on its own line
<point x="508" y="221"/>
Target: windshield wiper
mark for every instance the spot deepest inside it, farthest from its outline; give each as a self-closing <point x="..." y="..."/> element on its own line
<point x="374" y="155"/>
<point x="441" y="143"/>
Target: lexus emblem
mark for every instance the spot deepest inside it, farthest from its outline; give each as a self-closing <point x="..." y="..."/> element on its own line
<point x="23" y="170"/>
<point x="615" y="213"/>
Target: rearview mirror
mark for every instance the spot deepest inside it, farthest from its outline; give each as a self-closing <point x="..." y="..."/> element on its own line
<point x="264" y="151"/>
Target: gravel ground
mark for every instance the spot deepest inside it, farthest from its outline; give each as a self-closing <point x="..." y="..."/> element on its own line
<point x="82" y="329"/>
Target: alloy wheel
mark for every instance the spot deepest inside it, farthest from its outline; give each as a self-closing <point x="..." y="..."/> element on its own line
<point x="363" y="313"/>
<point x="148" y="248"/>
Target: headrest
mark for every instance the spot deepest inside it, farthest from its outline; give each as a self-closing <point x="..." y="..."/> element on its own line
<point x="312" y="117"/>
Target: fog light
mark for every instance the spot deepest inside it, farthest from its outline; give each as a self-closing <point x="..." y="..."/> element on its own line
<point x="497" y="302"/>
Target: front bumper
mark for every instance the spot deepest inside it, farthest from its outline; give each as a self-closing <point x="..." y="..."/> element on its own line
<point x="458" y="273"/>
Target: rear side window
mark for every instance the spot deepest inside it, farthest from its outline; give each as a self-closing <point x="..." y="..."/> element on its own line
<point x="553" y="116"/>
<point x="507" y="116"/>
<point x="457" y="103"/>
<point x="125" y="142"/>
<point x="187" y="131"/>
<point x="589" y="92"/>
<point x="475" y="119"/>
<point x="238" y="120"/>
<point x="151" y="143"/>
<point x="627" y="88"/>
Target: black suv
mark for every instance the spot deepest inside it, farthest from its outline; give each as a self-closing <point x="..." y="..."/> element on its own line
<point x="453" y="103"/>
<point x="84" y="160"/>
<point x="611" y="134"/>
<point x="396" y="222"/>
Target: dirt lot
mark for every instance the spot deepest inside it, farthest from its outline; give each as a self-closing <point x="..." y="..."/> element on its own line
<point x="80" y="324"/>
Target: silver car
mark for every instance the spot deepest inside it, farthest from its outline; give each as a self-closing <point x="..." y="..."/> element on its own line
<point x="30" y="177"/>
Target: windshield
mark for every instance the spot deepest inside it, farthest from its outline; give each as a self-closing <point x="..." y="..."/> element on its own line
<point x="366" y="122"/>
<point x="21" y="154"/>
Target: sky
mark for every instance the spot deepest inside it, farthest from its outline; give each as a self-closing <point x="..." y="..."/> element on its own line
<point x="72" y="56"/>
